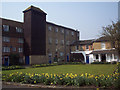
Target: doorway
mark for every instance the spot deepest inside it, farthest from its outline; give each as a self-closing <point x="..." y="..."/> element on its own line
<point x="27" y="60"/>
<point x="6" y="61"/>
<point x="87" y="59"/>
<point x="103" y="57"/>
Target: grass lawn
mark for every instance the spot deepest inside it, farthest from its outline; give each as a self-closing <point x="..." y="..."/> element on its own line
<point x="75" y="69"/>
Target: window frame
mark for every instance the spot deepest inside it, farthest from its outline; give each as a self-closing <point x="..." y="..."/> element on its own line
<point x="6" y="39"/>
<point x="6" y="28"/>
<point x="20" y="40"/>
<point x="20" y="49"/>
<point x="103" y="45"/>
<point x="19" y="30"/>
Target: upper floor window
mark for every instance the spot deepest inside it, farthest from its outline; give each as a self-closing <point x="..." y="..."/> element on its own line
<point x="19" y="29"/>
<point x="81" y="47"/>
<point x="68" y="42"/>
<point x="102" y="45"/>
<point x="62" y="30"/>
<point x="50" y="40"/>
<point x="87" y="47"/>
<point x="56" y="29"/>
<point x="6" y="49"/>
<point x="49" y="28"/>
<point x="62" y="42"/>
<point x="56" y="41"/>
<point x="77" y="47"/>
<point x="6" y="39"/>
<point x="0" y="27"/>
<point x="67" y="32"/>
<point x="91" y="47"/>
<point x="61" y="53"/>
<point x="72" y="33"/>
<point x="14" y="49"/>
<point x="20" y="40"/>
<point x="20" y="49"/>
<point x="77" y="34"/>
<point x="6" y="28"/>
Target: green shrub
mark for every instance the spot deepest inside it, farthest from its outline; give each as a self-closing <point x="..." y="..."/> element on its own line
<point x="12" y="67"/>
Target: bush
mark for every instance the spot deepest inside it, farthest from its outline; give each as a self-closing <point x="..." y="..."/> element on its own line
<point x="54" y="64"/>
<point x="97" y="63"/>
<point x="12" y="67"/>
<point x="14" y="59"/>
<point x="102" y="63"/>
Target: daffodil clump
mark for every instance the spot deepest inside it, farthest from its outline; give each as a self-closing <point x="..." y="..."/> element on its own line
<point x="63" y="79"/>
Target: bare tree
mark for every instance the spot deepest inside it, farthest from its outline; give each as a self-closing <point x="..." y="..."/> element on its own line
<point x="112" y="33"/>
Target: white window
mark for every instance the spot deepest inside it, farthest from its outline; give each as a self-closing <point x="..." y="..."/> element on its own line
<point x="102" y="45"/>
<point x="56" y="41"/>
<point x="6" y="28"/>
<point x="72" y="33"/>
<point x="49" y="28"/>
<point x="14" y="49"/>
<point x="20" y="40"/>
<point x="6" y="39"/>
<point x="61" y="53"/>
<point x="56" y="29"/>
<point x="62" y="30"/>
<point x="20" y="49"/>
<point x="50" y="40"/>
<point x="62" y="42"/>
<point x="6" y="49"/>
<point x="19" y="30"/>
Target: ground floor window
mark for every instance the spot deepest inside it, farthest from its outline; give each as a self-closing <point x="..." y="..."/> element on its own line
<point x="97" y="57"/>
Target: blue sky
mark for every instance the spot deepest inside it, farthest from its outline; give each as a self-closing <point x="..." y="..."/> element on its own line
<point x="87" y="17"/>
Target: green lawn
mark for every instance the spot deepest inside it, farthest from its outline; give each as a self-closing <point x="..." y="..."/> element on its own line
<point x="76" y="69"/>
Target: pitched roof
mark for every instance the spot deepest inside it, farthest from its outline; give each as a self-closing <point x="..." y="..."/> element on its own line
<point x="102" y="39"/>
<point x="34" y="8"/>
<point x="83" y="42"/>
<point x="113" y="51"/>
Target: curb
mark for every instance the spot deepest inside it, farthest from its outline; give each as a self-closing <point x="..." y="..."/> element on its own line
<point x="55" y="87"/>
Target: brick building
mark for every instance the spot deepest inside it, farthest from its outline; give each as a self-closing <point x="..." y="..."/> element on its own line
<point x="12" y="40"/>
<point x="96" y="50"/>
<point x="36" y="40"/>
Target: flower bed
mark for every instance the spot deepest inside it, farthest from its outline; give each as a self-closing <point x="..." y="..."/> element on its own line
<point x="12" y="67"/>
<point x="64" y="79"/>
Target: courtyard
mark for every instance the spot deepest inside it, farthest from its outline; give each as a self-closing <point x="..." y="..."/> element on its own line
<point x="75" y="69"/>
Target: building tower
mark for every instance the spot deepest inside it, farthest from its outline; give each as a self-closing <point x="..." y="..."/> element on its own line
<point x="34" y="33"/>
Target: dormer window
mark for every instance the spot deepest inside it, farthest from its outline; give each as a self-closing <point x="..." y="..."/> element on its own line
<point x="102" y="45"/>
